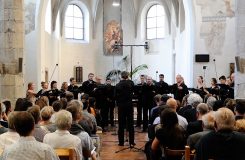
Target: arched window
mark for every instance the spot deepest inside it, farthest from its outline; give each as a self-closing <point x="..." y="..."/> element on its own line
<point x="156" y="22"/>
<point x="74" y="23"/>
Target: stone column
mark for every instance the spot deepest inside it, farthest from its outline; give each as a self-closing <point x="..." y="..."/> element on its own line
<point x="240" y="75"/>
<point x="11" y="49"/>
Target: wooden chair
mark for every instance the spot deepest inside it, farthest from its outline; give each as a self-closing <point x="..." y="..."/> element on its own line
<point x="179" y="153"/>
<point x="67" y="154"/>
<point x="172" y="153"/>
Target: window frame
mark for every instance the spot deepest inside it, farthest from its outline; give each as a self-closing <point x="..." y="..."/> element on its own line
<point x="73" y="28"/>
<point x="156" y="26"/>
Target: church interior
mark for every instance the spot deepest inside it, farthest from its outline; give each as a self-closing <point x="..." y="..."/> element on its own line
<point x="53" y="41"/>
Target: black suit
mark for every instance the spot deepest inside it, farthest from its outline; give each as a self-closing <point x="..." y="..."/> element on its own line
<point x="179" y="93"/>
<point x="138" y="92"/>
<point x="148" y="93"/>
<point x="74" y="90"/>
<point x="110" y="101"/>
<point x="88" y="87"/>
<point x="162" y="88"/>
<point x="124" y="95"/>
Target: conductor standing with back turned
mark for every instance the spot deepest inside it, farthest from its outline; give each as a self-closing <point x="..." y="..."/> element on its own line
<point x="124" y="94"/>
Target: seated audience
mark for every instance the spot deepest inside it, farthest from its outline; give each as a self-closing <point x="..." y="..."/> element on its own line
<point x="57" y="106"/>
<point x="239" y="110"/>
<point x="42" y="102"/>
<point x="218" y="104"/>
<point x="210" y="102"/>
<point x="22" y="104"/>
<point x="230" y="103"/>
<point x="223" y="143"/>
<point x="62" y="138"/>
<point x="172" y="103"/>
<point x="27" y="148"/>
<point x="11" y="136"/>
<point x="170" y="135"/>
<point x="208" y="125"/>
<point x="39" y="133"/>
<point x="193" y="100"/>
<point x="196" y="126"/>
<point x="86" y="116"/>
<point x="45" y="123"/>
<point x="8" y="107"/>
<point x="154" y="110"/>
<point x="77" y="130"/>
<point x="3" y="122"/>
<point x="240" y="125"/>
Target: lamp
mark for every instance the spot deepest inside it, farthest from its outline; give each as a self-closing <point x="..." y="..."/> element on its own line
<point x="116" y="3"/>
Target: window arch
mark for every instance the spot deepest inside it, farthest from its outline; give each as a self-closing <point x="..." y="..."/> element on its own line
<point x="156" y="24"/>
<point x="74" y="23"/>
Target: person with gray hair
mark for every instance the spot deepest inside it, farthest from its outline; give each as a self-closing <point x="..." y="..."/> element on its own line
<point x="207" y="124"/>
<point x="223" y="143"/>
<point x="62" y="138"/>
<point x="196" y="126"/>
<point x="210" y="102"/>
<point x="77" y="130"/>
<point x="88" y="122"/>
<point x="193" y="100"/>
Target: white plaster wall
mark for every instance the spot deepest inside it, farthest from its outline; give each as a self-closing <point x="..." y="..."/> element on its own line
<point x="222" y="60"/>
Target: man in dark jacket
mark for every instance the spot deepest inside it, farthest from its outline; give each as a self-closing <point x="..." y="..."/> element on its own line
<point x="124" y="95"/>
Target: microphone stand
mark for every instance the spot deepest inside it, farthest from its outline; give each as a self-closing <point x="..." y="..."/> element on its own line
<point x="53" y="73"/>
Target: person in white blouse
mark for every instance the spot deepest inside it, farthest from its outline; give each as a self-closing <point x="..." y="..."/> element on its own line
<point x="27" y="148"/>
<point x="11" y="136"/>
<point x="62" y="138"/>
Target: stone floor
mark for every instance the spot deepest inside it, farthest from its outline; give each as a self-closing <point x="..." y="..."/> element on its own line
<point x="110" y="146"/>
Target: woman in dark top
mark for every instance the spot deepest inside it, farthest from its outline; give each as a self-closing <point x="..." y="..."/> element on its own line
<point x="170" y="135"/>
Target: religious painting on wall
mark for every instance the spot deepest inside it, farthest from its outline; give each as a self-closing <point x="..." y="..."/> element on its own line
<point x="112" y="27"/>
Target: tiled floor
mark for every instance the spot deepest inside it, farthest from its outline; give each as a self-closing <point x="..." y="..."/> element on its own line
<point x="110" y="146"/>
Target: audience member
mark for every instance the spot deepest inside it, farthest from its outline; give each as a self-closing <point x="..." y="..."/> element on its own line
<point x="210" y="102"/>
<point x="170" y="135"/>
<point x="8" y="107"/>
<point x="223" y="143"/>
<point x="3" y="122"/>
<point x="46" y="114"/>
<point x="27" y="148"/>
<point x="38" y="133"/>
<point x="11" y="136"/>
<point x="240" y="125"/>
<point x="61" y="138"/>
<point x="172" y="103"/>
<point x="208" y="125"/>
<point x="196" y="126"/>
<point x="239" y="110"/>
<point x="22" y="104"/>
<point x="77" y="130"/>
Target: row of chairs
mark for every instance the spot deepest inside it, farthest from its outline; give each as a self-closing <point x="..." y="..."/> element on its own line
<point x="70" y="154"/>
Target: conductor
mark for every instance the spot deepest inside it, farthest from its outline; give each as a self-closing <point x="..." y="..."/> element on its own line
<point x="123" y="95"/>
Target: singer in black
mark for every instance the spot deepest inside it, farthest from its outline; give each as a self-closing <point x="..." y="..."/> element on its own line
<point x="73" y="88"/>
<point x="161" y="86"/>
<point x="138" y="92"/>
<point x="179" y="89"/>
<point x="148" y="93"/>
<point x="124" y="95"/>
<point x="89" y="85"/>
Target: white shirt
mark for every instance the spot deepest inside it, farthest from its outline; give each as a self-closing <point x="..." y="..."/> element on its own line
<point x="8" y="138"/>
<point x="63" y="139"/>
<point x="182" y="121"/>
<point x="27" y="148"/>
